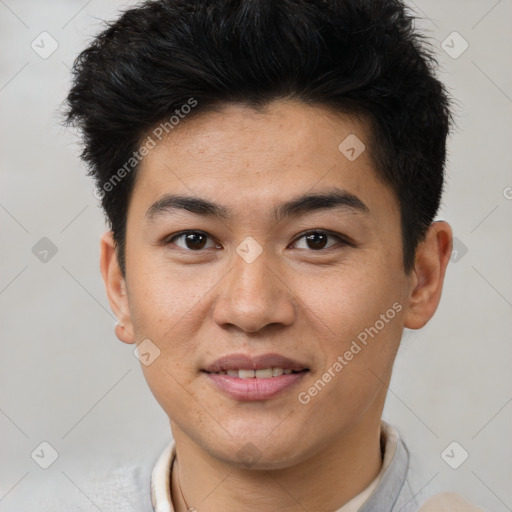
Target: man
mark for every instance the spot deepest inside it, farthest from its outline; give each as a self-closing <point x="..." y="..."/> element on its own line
<point x="271" y="172"/>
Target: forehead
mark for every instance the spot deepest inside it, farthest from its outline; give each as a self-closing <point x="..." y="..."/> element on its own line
<point x="284" y="129"/>
<point x="245" y="157"/>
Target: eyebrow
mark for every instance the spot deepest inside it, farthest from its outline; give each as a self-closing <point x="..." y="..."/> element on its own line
<point x="308" y="203"/>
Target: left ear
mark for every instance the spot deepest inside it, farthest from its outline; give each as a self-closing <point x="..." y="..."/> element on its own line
<point x="432" y="257"/>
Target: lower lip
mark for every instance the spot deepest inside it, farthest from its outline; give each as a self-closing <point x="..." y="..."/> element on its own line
<point x="254" y="388"/>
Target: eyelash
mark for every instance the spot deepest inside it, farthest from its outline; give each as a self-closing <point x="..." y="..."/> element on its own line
<point x="341" y="239"/>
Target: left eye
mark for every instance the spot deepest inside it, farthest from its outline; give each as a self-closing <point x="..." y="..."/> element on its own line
<point x="317" y="240"/>
<point x="192" y="240"/>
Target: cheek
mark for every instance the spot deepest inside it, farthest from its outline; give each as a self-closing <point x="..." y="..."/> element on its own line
<point x="357" y="316"/>
<point x="350" y="300"/>
<point x="164" y="309"/>
<point x="161" y="300"/>
<point x="356" y="344"/>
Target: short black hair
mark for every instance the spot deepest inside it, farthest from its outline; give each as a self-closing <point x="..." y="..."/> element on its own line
<point x="357" y="57"/>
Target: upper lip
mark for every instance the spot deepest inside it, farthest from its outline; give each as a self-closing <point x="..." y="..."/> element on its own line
<point x="247" y="362"/>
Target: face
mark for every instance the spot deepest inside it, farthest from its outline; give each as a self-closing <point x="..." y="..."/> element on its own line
<point x="282" y="252"/>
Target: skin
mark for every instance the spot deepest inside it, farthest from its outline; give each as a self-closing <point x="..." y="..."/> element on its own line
<point x="298" y="301"/>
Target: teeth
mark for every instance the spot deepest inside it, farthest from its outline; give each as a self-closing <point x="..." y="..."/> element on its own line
<point x="265" y="373"/>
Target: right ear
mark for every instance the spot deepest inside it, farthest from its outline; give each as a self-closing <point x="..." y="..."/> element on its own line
<point x="115" y="286"/>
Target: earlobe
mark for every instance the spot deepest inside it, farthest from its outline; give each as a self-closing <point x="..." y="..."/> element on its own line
<point x="432" y="257"/>
<point x="115" y="286"/>
<point x="123" y="335"/>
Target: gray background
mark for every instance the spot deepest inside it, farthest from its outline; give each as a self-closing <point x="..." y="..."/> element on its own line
<point x="66" y="380"/>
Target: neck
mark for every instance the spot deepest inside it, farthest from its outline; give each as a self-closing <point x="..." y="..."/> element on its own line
<point x="325" y="481"/>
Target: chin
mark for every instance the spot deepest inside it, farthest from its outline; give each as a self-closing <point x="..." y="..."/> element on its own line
<point x="259" y="452"/>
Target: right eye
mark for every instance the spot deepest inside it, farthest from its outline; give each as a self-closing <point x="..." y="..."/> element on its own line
<point x="191" y="240"/>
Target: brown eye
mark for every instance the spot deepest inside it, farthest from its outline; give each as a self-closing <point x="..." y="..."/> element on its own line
<point x="192" y="240"/>
<point x="318" y="240"/>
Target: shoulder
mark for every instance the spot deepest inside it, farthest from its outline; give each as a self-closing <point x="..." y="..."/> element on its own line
<point x="449" y="502"/>
<point x="110" y="486"/>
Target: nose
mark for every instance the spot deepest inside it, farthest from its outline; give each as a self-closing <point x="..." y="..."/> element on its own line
<point x="253" y="296"/>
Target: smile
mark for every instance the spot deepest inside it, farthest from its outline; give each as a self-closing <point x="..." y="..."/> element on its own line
<point x="265" y="373"/>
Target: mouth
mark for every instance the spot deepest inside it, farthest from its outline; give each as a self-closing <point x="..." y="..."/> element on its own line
<point x="245" y="377"/>
<point x="264" y="373"/>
